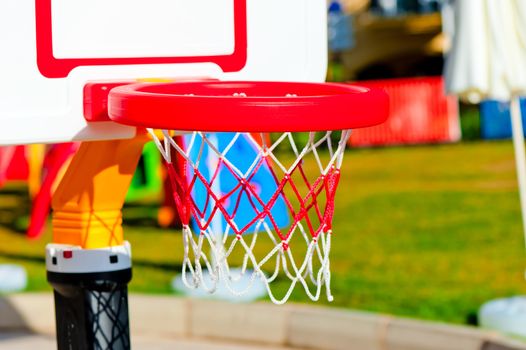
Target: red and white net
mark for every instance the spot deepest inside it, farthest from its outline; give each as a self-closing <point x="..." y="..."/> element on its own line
<point x="237" y="226"/>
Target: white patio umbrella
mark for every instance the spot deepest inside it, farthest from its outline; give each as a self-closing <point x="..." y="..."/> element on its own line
<point x="488" y="61"/>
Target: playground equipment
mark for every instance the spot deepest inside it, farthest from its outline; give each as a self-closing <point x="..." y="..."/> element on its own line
<point x="41" y="167"/>
<point x="72" y="67"/>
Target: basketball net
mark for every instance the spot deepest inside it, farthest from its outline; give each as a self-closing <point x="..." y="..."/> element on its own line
<point x="304" y="178"/>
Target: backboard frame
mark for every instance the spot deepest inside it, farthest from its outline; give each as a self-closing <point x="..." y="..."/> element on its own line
<point x="53" y="67"/>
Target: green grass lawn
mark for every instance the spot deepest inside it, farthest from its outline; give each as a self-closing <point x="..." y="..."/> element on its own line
<point x="428" y="232"/>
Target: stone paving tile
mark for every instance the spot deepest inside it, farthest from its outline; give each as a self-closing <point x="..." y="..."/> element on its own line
<point x="404" y="334"/>
<point x="24" y="341"/>
<point x="335" y="329"/>
<point x="261" y="323"/>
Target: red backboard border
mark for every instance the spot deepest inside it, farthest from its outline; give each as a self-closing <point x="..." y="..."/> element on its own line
<point x="52" y="67"/>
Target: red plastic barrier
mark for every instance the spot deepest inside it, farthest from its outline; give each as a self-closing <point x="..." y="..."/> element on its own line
<point x="13" y="164"/>
<point x="420" y="112"/>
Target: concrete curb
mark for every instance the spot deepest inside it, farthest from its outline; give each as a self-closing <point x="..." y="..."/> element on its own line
<point x="296" y="326"/>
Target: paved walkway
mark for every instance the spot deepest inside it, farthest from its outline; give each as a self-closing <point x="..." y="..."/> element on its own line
<point x="24" y="341"/>
<point x="196" y="324"/>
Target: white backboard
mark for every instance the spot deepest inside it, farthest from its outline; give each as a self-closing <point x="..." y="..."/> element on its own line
<point x="52" y="48"/>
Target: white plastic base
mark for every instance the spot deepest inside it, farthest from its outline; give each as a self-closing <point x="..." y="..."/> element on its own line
<point x="63" y="258"/>
<point x="256" y="291"/>
<point x="507" y="315"/>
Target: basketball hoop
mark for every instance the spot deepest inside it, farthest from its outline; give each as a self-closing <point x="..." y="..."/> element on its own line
<point x="305" y="172"/>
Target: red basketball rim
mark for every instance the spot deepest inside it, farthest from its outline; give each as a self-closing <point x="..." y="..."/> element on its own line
<point x="247" y="106"/>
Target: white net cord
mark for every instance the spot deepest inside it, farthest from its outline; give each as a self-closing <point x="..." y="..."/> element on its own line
<point x="215" y="242"/>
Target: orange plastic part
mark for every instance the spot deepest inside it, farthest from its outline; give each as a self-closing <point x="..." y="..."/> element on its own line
<point x="87" y="205"/>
